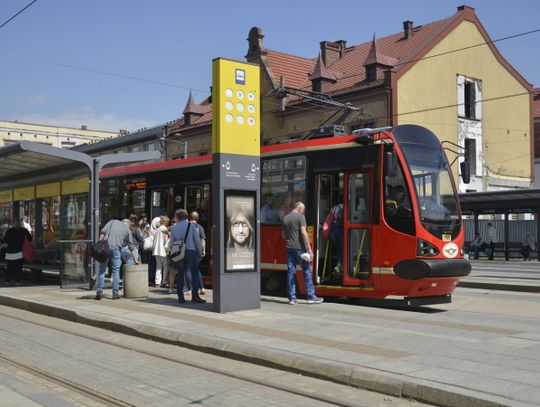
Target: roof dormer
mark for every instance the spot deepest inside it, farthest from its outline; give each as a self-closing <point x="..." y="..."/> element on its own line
<point x="321" y="77"/>
<point x="377" y="62"/>
<point x="192" y="110"/>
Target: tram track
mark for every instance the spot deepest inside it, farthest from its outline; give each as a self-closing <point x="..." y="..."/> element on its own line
<point x="210" y="364"/>
<point x="68" y="384"/>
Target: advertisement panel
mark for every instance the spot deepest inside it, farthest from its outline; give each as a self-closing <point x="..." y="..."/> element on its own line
<point x="240" y="231"/>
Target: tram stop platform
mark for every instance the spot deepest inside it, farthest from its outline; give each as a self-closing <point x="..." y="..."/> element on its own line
<point x="431" y="355"/>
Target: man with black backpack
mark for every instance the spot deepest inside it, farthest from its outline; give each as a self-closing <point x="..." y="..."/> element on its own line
<point x="118" y="235"/>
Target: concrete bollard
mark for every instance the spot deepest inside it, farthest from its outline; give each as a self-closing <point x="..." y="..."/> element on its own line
<point x="135" y="280"/>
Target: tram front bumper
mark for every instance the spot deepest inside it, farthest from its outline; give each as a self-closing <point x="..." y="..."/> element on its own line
<point x="432" y="268"/>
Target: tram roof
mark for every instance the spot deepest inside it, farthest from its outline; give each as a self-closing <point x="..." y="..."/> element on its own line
<point x="508" y="199"/>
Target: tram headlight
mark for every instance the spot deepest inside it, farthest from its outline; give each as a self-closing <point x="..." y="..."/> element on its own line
<point x="426" y="249"/>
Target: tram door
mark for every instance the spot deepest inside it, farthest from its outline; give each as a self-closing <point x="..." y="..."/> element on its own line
<point x="196" y="197"/>
<point x="161" y="201"/>
<point x="343" y="237"/>
<point x="357" y="228"/>
<point x="329" y="253"/>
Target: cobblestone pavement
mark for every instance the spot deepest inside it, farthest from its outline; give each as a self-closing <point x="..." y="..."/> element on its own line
<point x="145" y="373"/>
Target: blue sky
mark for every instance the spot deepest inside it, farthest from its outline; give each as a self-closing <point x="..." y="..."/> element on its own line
<point x="173" y="42"/>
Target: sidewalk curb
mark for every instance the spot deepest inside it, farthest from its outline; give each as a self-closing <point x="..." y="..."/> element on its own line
<point x="499" y="286"/>
<point x="360" y="377"/>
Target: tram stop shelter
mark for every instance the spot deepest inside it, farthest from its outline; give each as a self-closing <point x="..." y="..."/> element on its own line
<point x="56" y="192"/>
<point x="513" y="213"/>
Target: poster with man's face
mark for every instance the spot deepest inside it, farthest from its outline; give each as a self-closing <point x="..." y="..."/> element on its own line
<point x="240" y="231"/>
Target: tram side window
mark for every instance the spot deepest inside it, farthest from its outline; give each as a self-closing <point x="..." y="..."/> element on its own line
<point x="398" y="208"/>
<point x="283" y="184"/>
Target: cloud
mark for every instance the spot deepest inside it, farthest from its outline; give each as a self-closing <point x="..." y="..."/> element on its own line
<point x="86" y="116"/>
<point x="34" y="100"/>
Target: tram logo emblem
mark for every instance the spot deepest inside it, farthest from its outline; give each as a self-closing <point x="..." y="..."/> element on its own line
<point x="450" y="250"/>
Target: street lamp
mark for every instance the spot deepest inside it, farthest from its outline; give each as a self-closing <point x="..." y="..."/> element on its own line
<point x="177" y="141"/>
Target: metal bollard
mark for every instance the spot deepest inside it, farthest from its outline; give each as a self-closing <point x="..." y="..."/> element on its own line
<point x="135" y="280"/>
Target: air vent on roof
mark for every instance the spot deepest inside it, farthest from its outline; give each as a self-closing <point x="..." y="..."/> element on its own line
<point x="327" y="131"/>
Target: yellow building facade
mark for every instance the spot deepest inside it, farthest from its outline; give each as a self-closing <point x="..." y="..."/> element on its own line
<point x="56" y="136"/>
<point x="468" y="94"/>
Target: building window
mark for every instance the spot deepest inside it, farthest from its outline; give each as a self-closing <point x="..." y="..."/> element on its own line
<point x="134" y="149"/>
<point x="149" y="147"/>
<point x="470" y="154"/>
<point x="371" y="73"/>
<point x="469" y="98"/>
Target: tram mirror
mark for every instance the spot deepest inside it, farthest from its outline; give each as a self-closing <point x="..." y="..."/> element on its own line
<point x="465" y="171"/>
<point x="390" y="164"/>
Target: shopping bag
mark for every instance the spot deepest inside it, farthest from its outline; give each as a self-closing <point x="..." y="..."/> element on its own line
<point x="29" y="252"/>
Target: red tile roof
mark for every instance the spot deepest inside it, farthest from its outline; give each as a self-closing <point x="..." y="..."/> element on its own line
<point x="350" y="69"/>
<point x="294" y="69"/>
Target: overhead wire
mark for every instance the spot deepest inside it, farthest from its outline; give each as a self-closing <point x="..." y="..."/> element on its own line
<point x="117" y="75"/>
<point x="15" y="15"/>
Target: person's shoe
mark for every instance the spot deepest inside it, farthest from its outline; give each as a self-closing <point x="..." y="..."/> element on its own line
<point x="198" y="300"/>
<point x="181" y="301"/>
<point x="116" y="296"/>
<point x="315" y="300"/>
<point x="292" y="302"/>
<point x="172" y="291"/>
<point x="99" y="295"/>
<point x="203" y="291"/>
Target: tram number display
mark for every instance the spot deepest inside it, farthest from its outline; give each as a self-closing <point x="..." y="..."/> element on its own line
<point x="240" y="231"/>
<point x="446" y="237"/>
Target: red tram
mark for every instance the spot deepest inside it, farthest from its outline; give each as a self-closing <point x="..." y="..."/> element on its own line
<point x="396" y="230"/>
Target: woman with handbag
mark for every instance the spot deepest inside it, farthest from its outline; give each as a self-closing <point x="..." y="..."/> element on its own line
<point x="159" y="252"/>
<point x="14" y="238"/>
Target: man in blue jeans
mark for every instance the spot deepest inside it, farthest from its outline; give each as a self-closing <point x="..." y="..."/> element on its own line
<point x="187" y="232"/>
<point x="118" y="235"/>
<point x="297" y="243"/>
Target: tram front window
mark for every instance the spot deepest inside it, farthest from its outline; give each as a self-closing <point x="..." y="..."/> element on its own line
<point x="436" y="196"/>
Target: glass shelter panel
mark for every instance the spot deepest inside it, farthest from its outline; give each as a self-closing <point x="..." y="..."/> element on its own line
<point x="75" y="238"/>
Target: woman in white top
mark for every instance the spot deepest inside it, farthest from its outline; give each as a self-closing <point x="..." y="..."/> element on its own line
<point x="159" y="251"/>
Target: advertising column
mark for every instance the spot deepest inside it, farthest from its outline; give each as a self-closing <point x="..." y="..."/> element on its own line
<point x="236" y="174"/>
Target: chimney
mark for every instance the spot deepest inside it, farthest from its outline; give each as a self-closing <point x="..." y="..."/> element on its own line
<point x="84" y="127"/>
<point x="332" y="51"/>
<point x="407" y="29"/>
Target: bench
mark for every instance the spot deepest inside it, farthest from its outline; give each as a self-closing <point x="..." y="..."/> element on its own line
<point x="45" y="259"/>
<point x="514" y="251"/>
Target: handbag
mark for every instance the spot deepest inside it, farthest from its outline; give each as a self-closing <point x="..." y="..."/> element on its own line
<point x="148" y="243"/>
<point x="29" y="251"/>
<point x="177" y="249"/>
<point x="100" y="250"/>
